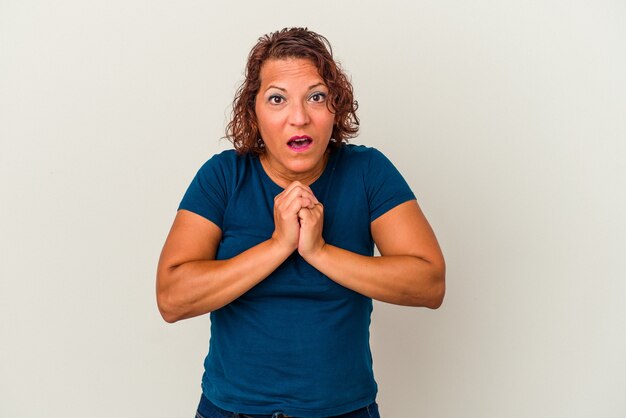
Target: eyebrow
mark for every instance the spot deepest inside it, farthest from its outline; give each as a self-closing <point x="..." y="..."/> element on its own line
<point x="271" y="86"/>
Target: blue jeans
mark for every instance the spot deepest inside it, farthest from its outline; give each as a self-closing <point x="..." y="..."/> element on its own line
<point x="207" y="410"/>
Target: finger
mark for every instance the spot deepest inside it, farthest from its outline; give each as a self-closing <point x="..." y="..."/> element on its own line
<point x="297" y="204"/>
<point x="298" y="189"/>
<point x="317" y="210"/>
<point x="286" y="197"/>
<point x="305" y="215"/>
<point x="295" y="185"/>
<point x="306" y="198"/>
<point x="307" y="202"/>
<point x="291" y="185"/>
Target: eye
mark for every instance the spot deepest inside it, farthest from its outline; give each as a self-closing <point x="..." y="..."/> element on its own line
<point x="318" y="97"/>
<point x="276" y="99"/>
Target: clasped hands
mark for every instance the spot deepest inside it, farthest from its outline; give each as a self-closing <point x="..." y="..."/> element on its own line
<point x="298" y="220"/>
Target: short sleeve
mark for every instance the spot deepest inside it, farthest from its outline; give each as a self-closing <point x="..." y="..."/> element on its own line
<point x="385" y="186"/>
<point x="207" y="195"/>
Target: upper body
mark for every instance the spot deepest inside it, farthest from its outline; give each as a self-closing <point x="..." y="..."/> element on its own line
<point x="297" y="328"/>
<point x="295" y="200"/>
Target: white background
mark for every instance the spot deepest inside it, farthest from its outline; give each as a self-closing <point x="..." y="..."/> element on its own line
<point x="507" y="119"/>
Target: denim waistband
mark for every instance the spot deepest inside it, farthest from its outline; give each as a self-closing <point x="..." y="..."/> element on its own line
<point x="206" y="409"/>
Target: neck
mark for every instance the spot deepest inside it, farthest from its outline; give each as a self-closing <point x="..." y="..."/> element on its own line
<point x="284" y="178"/>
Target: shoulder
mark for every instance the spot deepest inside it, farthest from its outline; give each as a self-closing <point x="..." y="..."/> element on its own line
<point x="228" y="158"/>
<point x="358" y="151"/>
<point x="226" y="165"/>
<point x="363" y="157"/>
<point x="211" y="188"/>
<point x="220" y="173"/>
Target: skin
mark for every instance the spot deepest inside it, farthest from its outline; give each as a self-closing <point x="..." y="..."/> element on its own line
<point x="291" y="101"/>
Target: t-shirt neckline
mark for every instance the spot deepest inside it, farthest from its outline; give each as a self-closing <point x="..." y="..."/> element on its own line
<point x="330" y="166"/>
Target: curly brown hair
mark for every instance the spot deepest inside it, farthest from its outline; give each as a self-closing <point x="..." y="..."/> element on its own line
<point x="243" y="129"/>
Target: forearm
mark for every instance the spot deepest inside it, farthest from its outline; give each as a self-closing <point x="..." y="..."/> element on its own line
<point x="197" y="287"/>
<point x="398" y="279"/>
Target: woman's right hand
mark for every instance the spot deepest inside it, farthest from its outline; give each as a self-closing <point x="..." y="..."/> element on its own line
<point x="287" y="204"/>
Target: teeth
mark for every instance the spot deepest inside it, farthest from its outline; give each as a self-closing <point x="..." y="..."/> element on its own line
<point x="299" y="142"/>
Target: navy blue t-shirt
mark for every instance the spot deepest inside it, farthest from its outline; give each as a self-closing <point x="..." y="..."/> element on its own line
<point x="297" y="342"/>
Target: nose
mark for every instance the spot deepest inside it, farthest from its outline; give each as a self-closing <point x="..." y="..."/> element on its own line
<point x="299" y="115"/>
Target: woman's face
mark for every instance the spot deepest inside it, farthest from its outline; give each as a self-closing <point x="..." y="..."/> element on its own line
<point x="293" y="117"/>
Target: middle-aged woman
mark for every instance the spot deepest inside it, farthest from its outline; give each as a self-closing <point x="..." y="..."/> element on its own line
<point x="276" y="239"/>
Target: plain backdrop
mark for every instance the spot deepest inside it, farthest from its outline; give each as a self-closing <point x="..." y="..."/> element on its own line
<point x="507" y="119"/>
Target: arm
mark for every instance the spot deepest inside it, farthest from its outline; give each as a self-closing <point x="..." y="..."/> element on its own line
<point x="191" y="282"/>
<point x="410" y="270"/>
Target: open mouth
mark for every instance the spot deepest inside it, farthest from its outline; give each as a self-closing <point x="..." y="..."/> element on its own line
<point x="299" y="143"/>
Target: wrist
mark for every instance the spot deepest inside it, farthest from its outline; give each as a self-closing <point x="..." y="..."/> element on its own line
<point x="278" y="246"/>
<point x="316" y="255"/>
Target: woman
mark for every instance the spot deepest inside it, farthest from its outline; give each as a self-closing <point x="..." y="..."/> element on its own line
<point x="275" y="239"/>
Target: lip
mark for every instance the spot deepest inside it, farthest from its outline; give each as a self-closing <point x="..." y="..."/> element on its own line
<point x="300" y="148"/>
<point x="295" y="137"/>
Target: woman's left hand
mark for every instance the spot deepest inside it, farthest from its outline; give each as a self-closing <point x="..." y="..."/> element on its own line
<point x="311" y="225"/>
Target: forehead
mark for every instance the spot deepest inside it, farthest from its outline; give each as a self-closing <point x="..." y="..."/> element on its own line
<point x="289" y="70"/>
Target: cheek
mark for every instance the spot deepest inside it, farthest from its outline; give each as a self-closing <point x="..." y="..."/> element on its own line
<point x="330" y="122"/>
<point x="262" y="121"/>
